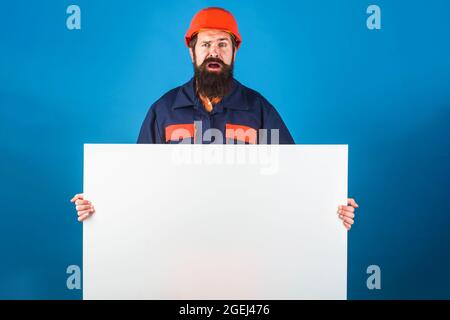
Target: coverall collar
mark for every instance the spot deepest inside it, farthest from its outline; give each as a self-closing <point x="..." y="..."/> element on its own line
<point x="186" y="97"/>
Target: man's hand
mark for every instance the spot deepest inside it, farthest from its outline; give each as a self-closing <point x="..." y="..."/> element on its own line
<point x="84" y="207"/>
<point x="347" y="213"/>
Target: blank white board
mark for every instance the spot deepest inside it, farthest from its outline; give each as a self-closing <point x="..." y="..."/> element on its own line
<point x="215" y="222"/>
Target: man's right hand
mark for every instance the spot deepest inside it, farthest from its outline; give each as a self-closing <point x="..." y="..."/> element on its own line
<point x="84" y="207"/>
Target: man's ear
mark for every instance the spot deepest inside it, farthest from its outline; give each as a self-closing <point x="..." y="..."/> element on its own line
<point x="191" y="52"/>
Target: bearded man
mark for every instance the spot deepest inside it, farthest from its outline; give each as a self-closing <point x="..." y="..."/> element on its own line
<point x="213" y="99"/>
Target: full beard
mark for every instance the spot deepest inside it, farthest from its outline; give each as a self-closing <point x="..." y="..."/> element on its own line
<point x="213" y="84"/>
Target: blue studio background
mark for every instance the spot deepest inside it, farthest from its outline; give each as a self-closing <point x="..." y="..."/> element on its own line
<point x="384" y="92"/>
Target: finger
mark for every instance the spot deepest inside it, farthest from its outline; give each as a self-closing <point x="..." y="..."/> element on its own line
<point x="345" y="219"/>
<point x="83" y="207"/>
<point x="76" y="197"/>
<point x="346" y="208"/>
<point x="83" y="217"/>
<point x="348" y="214"/>
<point x="352" y="202"/>
<point x="80" y="213"/>
<point x="347" y="226"/>
<point x="82" y="202"/>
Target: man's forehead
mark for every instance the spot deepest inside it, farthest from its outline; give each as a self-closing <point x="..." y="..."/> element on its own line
<point x="213" y="34"/>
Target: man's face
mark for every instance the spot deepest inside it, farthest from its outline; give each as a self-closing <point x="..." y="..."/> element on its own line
<point x="213" y="59"/>
<point x="213" y="44"/>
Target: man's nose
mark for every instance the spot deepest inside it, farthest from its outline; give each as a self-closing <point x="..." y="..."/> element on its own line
<point x="213" y="52"/>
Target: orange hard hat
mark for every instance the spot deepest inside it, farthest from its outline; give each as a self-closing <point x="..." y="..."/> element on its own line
<point x="213" y="18"/>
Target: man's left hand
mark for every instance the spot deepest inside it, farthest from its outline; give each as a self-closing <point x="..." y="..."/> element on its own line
<point x="347" y="213"/>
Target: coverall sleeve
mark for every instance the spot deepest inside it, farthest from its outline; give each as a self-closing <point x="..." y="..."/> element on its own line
<point x="273" y="120"/>
<point x="149" y="130"/>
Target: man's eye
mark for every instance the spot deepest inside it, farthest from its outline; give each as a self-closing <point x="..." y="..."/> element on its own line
<point x="222" y="44"/>
<point x="206" y="45"/>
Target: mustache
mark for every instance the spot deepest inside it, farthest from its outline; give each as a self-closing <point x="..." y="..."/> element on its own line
<point x="213" y="60"/>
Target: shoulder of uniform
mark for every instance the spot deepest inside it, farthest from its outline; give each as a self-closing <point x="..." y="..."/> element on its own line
<point x="166" y="100"/>
<point x="254" y="98"/>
